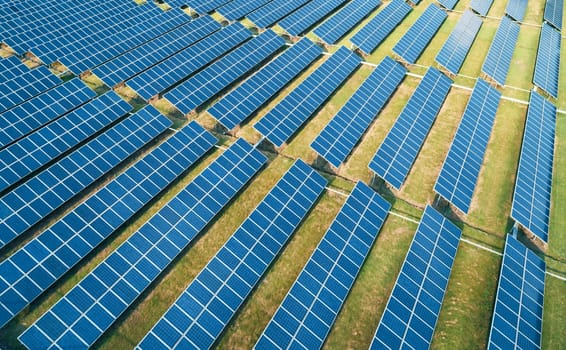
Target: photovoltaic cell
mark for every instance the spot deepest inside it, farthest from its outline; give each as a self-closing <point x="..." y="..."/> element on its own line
<point x="306" y="315"/>
<point x="289" y="114"/>
<point x="516" y="9"/>
<point x="273" y="11"/>
<point x="338" y="138"/>
<point x="500" y="53"/>
<point x="448" y="4"/>
<point x="203" y="310"/>
<point x="299" y="21"/>
<point x="120" y="279"/>
<point x="236" y="9"/>
<point x="547" y="66"/>
<point x="412" y="310"/>
<point x="398" y="152"/>
<point x="481" y="6"/>
<point x="205" y="6"/>
<point x="553" y="13"/>
<point x="12" y="67"/>
<point x="461" y="168"/>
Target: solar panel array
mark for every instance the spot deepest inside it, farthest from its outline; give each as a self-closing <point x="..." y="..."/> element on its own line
<point x="188" y="61"/>
<point x="203" y="310"/>
<point x="448" y="4"/>
<point x="273" y="11"/>
<point x="25" y="86"/>
<point x="412" y="310"/>
<point x="42" y="109"/>
<point x="237" y="9"/>
<point x="481" y="6"/>
<point x="29" y="154"/>
<point x="12" y="67"/>
<point x="32" y="269"/>
<point x="516" y="9"/>
<point x="375" y="31"/>
<point x="203" y="6"/>
<point x="547" y="66"/>
<point x="553" y="13"/>
<point x="500" y="53"/>
<point x="143" y="57"/>
<point x="304" y="318"/>
<point x="289" y="114"/>
<point x="305" y="17"/>
<point x="416" y="39"/>
<point x="517" y="317"/>
<point x="533" y="187"/>
<point x="456" y="47"/>
<point x="461" y="168"/>
<point x="344" y="20"/>
<point x="241" y="102"/>
<point x="337" y="140"/>
<point x="41" y="195"/>
<point x="398" y="152"/>
<point x="95" y="303"/>
<point x="209" y="82"/>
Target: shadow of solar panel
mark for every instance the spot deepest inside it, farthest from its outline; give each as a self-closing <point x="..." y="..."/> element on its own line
<point x="116" y="283"/>
<point x="25" y="86"/>
<point x="47" y="257"/>
<point x="299" y="21"/>
<point x="247" y="98"/>
<point x="516" y="9"/>
<point x="448" y="4"/>
<point x="205" y="6"/>
<point x="553" y="13"/>
<point x="337" y="140"/>
<point x="273" y="11"/>
<point x="460" y="171"/>
<point x="500" y="53"/>
<point x="375" y="31"/>
<point x="400" y="148"/>
<point x="203" y="310"/>
<point x="412" y="310"/>
<point x="481" y="6"/>
<point x="517" y="317"/>
<point x="547" y="65"/>
<point x="289" y="114"/>
<point x="318" y="293"/>
<point x="533" y="186"/>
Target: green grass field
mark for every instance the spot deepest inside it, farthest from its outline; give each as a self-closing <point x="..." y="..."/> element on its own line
<point x="465" y="317"/>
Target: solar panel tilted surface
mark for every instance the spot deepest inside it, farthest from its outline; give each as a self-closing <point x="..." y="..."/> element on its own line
<point x="273" y="11"/>
<point x="237" y="9"/>
<point x="498" y="60"/>
<point x="305" y="17"/>
<point x="204" y="309"/>
<point x="547" y="66"/>
<point x="516" y="9"/>
<point x="448" y="4"/>
<point x="553" y="13"/>
<point x="481" y="6"/>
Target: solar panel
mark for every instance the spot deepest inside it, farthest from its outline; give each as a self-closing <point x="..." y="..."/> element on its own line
<point x="273" y="11"/>
<point x="398" y="152"/>
<point x="241" y="102"/>
<point x="415" y="2"/>
<point x="224" y="72"/>
<point x="344" y="20"/>
<point x="299" y="21"/>
<point x="203" y="310"/>
<point x="42" y="261"/>
<point x="29" y="154"/>
<point x="553" y="13"/>
<point x="306" y="315"/>
<point x="415" y="40"/>
<point x="500" y="53"/>
<point x="183" y="64"/>
<point x="31" y="202"/>
<point x="516" y="9"/>
<point x="517" y="317"/>
<point x="120" y="279"/>
<point x="412" y="310"/>
<point x="237" y="9"/>
<point x="461" y="168"/>
<point x="338" y="138"/>
<point x="448" y="4"/>
<point x="205" y="6"/>
<point x="547" y="65"/>
<point x="42" y="109"/>
<point x="372" y="34"/>
<point x="533" y="187"/>
<point x="289" y="114"/>
<point x="456" y="47"/>
<point x="143" y="57"/>
<point x="12" y="67"/>
<point x="481" y="6"/>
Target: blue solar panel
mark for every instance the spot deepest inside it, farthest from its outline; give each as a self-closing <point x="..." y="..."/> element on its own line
<point x="205" y="6"/>
<point x="241" y="102"/>
<point x="398" y="152"/>
<point x="547" y="66"/>
<point x="35" y="199"/>
<point x="236" y="9"/>
<point x="224" y="72"/>
<point x="448" y="4"/>
<point x="516" y="9"/>
<point x="289" y="114"/>
<point x="144" y="255"/>
<point x="273" y="11"/>
<point x="373" y="33"/>
<point x="500" y="53"/>
<point x="143" y="57"/>
<point x="461" y="169"/>
<point x="456" y="47"/>
<point x="12" y="67"/>
<point x="339" y="137"/>
<point x="412" y="310"/>
<point x="553" y="13"/>
<point x="481" y="6"/>
<point x="27" y="155"/>
<point x="42" y="109"/>
<point x="344" y="20"/>
<point x="183" y="64"/>
<point x="36" y="266"/>
<point x="299" y="21"/>
<point x="517" y="317"/>
<point x="533" y="187"/>
<point x="311" y="306"/>
<point x="25" y="86"/>
<point x="203" y="310"/>
<point x="415" y="40"/>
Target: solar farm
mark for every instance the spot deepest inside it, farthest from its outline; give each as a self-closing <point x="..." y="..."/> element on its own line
<point x="282" y="174"/>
